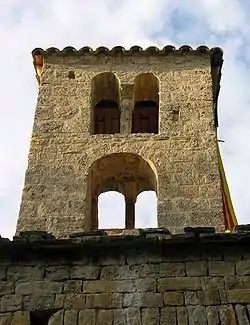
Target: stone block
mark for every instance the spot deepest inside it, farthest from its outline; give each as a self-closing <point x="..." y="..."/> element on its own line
<point x="150" y="316"/>
<point x="209" y="297"/>
<point x="181" y="284"/>
<point x="182" y="315"/>
<point x="103" y="300"/>
<point x="120" y="317"/>
<point x="241" y="312"/>
<point x="72" y="286"/>
<point x="75" y="301"/>
<point x="196" y="268"/>
<point x="197" y="315"/>
<point x="3" y="273"/>
<point x="70" y="317"/>
<point x="25" y="273"/>
<point x="6" y="288"/>
<point x="143" y="300"/>
<point x="168" y="316"/>
<point x="191" y="298"/>
<point x="124" y="272"/>
<point x="105" y="317"/>
<point x="243" y="267"/>
<point x="212" y="283"/>
<point x="5" y="319"/>
<point x="21" y="318"/>
<point x="11" y="303"/>
<point x="172" y="270"/>
<point x="102" y="286"/>
<point x="59" y="301"/>
<point x="148" y="270"/>
<point x="173" y="298"/>
<point x="85" y="272"/>
<point x="39" y="287"/>
<point x="239" y="296"/>
<point x="87" y="317"/>
<point x="212" y="314"/>
<point x="57" y="318"/>
<point x="237" y="282"/>
<point x="144" y="285"/>
<point x="221" y="268"/>
<point x="133" y="316"/>
<point x="57" y="273"/>
<point x="38" y="302"/>
<point x="226" y="314"/>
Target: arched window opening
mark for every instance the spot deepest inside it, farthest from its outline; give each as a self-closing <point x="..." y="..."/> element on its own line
<point x="111" y="210"/>
<point x="105" y="104"/>
<point x="146" y="104"/>
<point x="146" y="210"/>
<point x="126" y="173"/>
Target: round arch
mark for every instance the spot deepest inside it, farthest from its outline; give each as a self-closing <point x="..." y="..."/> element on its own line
<point x="126" y="173"/>
<point x="105" y="99"/>
<point x="146" y="104"/>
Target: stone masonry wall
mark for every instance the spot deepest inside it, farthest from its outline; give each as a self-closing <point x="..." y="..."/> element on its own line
<point x="183" y="155"/>
<point x="182" y="280"/>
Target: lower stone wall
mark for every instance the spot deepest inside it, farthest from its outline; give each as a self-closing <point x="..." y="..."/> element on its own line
<point x="144" y="280"/>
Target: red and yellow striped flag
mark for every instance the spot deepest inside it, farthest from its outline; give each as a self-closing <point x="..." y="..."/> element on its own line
<point x="228" y="210"/>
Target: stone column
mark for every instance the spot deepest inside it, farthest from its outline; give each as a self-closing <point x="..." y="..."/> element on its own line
<point x="130" y="214"/>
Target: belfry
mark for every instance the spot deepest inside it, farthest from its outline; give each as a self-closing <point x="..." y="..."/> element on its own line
<point x="127" y="121"/>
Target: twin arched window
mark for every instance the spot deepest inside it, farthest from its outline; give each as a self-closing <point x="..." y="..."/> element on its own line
<point x="106" y="104"/>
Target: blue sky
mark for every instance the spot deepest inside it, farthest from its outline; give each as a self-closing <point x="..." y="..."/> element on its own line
<point x="128" y="22"/>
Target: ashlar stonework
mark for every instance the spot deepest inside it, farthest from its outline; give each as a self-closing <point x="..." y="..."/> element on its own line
<point x="171" y="94"/>
<point x="152" y="278"/>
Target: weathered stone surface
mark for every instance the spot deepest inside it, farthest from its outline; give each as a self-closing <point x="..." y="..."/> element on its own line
<point x="212" y="283"/>
<point x="150" y="316"/>
<point x="39" y="287"/>
<point x="119" y="272"/>
<point x="57" y="273"/>
<point x="105" y="317"/>
<point x="57" y="318"/>
<point x="182" y="316"/>
<point x="212" y="314"/>
<point x="239" y="296"/>
<point x="143" y="300"/>
<point x="168" y="315"/>
<point x="220" y="268"/>
<point x="104" y="300"/>
<point x="173" y="298"/>
<point x="226" y="314"/>
<point x="85" y="272"/>
<point x="196" y="268"/>
<point x="172" y="269"/>
<point x="38" y="302"/>
<point x="70" y="317"/>
<point x="120" y="317"/>
<point x="21" y="318"/>
<point x="5" y="319"/>
<point x="6" y="288"/>
<point x="87" y="317"/>
<point x="74" y="301"/>
<point x="241" y="313"/>
<point x="169" y="284"/>
<point x="25" y="273"/>
<point x="116" y="285"/>
<point x="3" y="273"/>
<point x="243" y="267"/>
<point x="72" y="286"/>
<point x="11" y="303"/>
<point x="197" y="315"/>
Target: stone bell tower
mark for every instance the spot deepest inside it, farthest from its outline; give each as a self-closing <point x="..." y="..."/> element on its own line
<point x="129" y="121"/>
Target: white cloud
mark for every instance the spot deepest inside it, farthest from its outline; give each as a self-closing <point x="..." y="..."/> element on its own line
<point x="26" y="25"/>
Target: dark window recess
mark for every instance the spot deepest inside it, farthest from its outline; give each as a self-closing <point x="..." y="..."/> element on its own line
<point x="41" y="317"/>
<point x="71" y="75"/>
<point x="106" y="117"/>
<point x="145" y="117"/>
